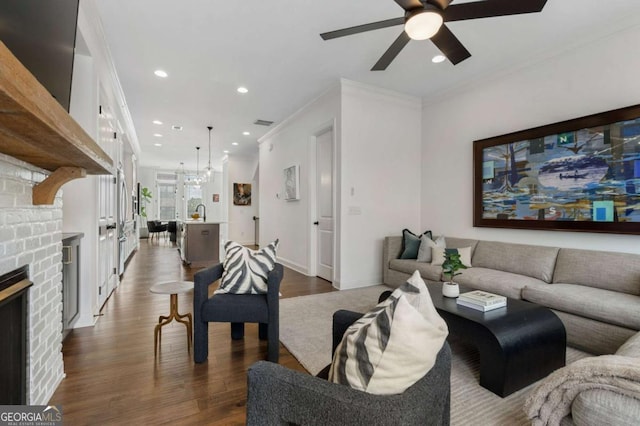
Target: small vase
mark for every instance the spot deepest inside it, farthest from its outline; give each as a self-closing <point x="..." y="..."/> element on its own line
<point x="450" y="289"/>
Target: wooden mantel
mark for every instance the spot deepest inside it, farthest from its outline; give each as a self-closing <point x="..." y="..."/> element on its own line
<point x="36" y="129"/>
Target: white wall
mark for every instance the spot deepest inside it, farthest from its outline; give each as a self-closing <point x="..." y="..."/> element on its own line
<point x="593" y="78"/>
<point x="80" y="195"/>
<point x="241" y="227"/>
<point x="284" y="146"/>
<point x="377" y="161"/>
<point x="380" y="177"/>
<point x="215" y="211"/>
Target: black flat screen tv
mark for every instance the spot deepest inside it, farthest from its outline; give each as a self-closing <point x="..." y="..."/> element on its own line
<point x="42" y="35"/>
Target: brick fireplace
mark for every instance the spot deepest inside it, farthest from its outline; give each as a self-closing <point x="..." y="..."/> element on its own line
<point x="31" y="235"/>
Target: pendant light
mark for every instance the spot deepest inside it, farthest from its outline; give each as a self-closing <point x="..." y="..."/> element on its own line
<point x="199" y="179"/>
<point x="209" y="166"/>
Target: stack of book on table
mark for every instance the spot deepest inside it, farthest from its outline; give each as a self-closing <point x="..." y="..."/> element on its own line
<point x="482" y="300"/>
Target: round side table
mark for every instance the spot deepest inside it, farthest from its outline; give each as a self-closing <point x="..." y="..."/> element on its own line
<point x="173" y="288"/>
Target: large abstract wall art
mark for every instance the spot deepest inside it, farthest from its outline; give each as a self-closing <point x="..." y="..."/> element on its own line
<point x="577" y="175"/>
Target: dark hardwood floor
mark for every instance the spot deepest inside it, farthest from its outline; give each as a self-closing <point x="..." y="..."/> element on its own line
<point x="112" y="376"/>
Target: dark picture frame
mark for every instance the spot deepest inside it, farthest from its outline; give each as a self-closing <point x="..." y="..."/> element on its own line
<point x="241" y="194"/>
<point x="576" y="175"/>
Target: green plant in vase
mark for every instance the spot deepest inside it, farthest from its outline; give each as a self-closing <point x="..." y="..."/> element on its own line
<point x="450" y="267"/>
<point x="145" y="197"/>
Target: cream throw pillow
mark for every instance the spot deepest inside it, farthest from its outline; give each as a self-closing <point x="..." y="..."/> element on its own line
<point x="426" y="245"/>
<point x="392" y="346"/>
<point x="464" y="252"/>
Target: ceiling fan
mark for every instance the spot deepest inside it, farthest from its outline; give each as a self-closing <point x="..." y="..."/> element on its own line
<point x="425" y="19"/>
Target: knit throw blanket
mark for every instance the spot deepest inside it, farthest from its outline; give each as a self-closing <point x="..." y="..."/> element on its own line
<point x="551" y="401"/>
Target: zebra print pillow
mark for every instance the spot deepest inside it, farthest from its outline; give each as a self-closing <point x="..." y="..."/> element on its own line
<point x="392" y="346"/>
<point x="245" y="270"/>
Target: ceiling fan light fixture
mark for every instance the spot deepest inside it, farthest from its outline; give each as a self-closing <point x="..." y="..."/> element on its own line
<point x="423" y="23"/>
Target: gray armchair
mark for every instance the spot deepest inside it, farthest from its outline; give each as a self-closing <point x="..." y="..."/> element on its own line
<point x="279" y="396"/>
<point x="235" y="309"/>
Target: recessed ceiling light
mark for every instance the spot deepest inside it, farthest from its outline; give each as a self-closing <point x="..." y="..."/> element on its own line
<point x="234" y="143"/>
<point x="157" y="122"/>
<point x="242" y="89"/>
<point x="438" y="58"/>
<point x="246" y="133"/>
<point x="226" y="151"/>
<point x="161" y="73"/>
<point x="174" y="127"/>
<point x="157" y="144"/>
<point x="157" y="135"/>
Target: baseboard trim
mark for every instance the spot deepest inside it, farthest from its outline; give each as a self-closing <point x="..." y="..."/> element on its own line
<point x="295" y="266"/>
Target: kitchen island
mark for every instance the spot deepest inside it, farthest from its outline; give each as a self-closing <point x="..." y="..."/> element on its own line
<point x="198" y="242"/>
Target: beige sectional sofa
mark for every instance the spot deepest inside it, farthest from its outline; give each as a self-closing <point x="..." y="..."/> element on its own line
<point x="596" y="294"/>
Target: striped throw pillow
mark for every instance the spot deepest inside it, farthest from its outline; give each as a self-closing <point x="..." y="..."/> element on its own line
<point x="392" y="346"/>
<point x="245" y="270"/>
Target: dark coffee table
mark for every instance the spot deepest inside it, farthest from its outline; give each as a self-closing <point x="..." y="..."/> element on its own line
<point x="518" y="344"/>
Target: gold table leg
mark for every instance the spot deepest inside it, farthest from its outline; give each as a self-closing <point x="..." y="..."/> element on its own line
<point x="173" y="315"/>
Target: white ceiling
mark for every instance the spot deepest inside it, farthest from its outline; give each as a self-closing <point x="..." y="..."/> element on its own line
<point x="210" y="47"/>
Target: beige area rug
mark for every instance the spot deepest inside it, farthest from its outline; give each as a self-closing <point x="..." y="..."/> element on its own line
<point x="305" y="330"/>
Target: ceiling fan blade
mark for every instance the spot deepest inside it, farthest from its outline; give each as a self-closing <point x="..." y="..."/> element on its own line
<point x="491" y="8"/>
<point x="409" y="4"/>
<point x="450" y="46"/>
<point x="362" y="28"/>
<point x="391" y="52"/>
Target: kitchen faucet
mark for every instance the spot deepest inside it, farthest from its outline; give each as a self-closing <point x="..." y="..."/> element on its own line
<point x="204" y="211"/>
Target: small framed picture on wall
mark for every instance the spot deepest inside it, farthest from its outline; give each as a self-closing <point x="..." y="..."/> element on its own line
<point x="292" y="183"/>
<point x="241" y="194"/>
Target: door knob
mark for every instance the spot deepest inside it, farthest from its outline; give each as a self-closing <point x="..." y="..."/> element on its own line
<point x="316" y="223"/>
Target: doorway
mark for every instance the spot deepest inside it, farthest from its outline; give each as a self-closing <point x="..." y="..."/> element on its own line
<point x="325" y="203"/>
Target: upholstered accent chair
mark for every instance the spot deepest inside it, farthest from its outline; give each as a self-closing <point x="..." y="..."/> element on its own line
<point x="279" y="396"/>
<point x="236" y="309"/>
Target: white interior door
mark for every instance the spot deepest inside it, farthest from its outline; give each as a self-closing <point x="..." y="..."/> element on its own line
<point x="107" y="225"/>
<point x="106" y="238"/>
<point x="324" y="191"/>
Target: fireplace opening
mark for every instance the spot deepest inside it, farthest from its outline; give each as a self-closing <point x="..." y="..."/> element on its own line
<point x="13" y="335"/>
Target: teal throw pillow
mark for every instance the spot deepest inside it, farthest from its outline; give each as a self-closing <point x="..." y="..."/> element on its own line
<point x="411" y="244"/>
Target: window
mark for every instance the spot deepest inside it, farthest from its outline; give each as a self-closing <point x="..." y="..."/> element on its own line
<point x="166" y="183"/>
<point x="192" y="197"/>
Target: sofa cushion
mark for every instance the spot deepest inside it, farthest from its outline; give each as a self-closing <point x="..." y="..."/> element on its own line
<point x="611" y="271"/>
<point x="595" y="303"/>
<point x="453" y="242"/>
<point x="411" y="244"/>
<point x="439" y="255"/>
<point x="631" y="347"/>
<point x="603" y="407"/>
<point x="532" y="261"/>
<point x="499" y="282"/>
<point x="427" y="270"/>
<point x="427" y="245"/>
<point x="392" y="346"/>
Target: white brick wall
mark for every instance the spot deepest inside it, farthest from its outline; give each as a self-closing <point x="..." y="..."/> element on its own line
<point x="31" y="235"/>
